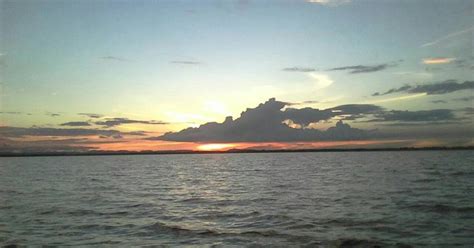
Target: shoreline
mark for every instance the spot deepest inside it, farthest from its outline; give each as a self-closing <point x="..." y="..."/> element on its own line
<point x="231" y="151"/>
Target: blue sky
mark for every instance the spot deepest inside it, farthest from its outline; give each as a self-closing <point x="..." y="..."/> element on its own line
<point x="191" y="62"/>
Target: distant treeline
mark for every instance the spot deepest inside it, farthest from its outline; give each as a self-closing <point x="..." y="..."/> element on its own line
<point x="148" y="152"/>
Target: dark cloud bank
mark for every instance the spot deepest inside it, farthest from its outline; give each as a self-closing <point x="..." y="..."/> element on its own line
<point x="444" y="87"/>
<point x="111" y="122"/>
<point x="265" y="123"/>
<point x="76" y="124"/>
<point x="433" y="115"/>
<point x="18" y="132"/>
<point x="270" y="122"/>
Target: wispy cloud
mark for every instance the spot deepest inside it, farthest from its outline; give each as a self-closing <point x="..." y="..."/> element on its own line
<point x="400" y="98"/>
<point x="114" y="58"/>
<point x="449" y="36"/>
<point x="444" y="87"/>
<point x="11" y="113"/>
<point x="464" y="99"/>
<point x="302" y="103"/>
<point x="299" y="69"/>
<point x="465" y="63"/>
<point x="7" y="131"/>
<point x="53" y="114"/>
<point x="91" y="115"/>
<point x="332" y="3"/>
<point x="355" y="69"/>
<point x="110" y="122"/>
<point x="438" y="60"/>
<point x="420" y="75"/>
<point x="76" y="124"/>
<point x="185" y="62"/>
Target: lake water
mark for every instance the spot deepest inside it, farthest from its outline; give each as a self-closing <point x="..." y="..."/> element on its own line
<point x="339" y="199"/>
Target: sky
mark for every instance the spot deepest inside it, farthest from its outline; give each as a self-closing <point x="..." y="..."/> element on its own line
<point x="166" y="75"/>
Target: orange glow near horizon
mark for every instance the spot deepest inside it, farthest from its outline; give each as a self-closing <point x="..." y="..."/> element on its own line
<point x="215" y="147"/>
<point x="141" y="145"/>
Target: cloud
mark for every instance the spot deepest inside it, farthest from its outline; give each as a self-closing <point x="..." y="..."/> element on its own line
<point x="309" y="102"/>
<point x="90" y="115"/>
<point x="355" y="69"/>
<point x="417" y="74"/>
<point x="449" y="36"/>
<point x="299" y="69"/>
<point x="356" y="109"/>
<point x="399" y="98"/>
<point x="320" y="80"/>
<point x="465" y="63"/>
<point x="464" y="99"/>
<point x="332" y="3"/>
<point x="53" y="114"/>
<point x="114" y="58"/>
<point x="468" y="110"/>
<point x="265" y="123"/>
<point x="76" y="124"/>
<point x="444" y="87"/>
<point x="110" y="122"/>
<point x="438" y="60"/>
<point x="185" y="62"/>
<point x="433" y="115"/>
<point x="439" y="101"/>
<point x="420" y="124"/>
<point x="51" y="146"/>
<point x="18" y="132"/>
<point x="305" y="116"/>
<point x="11" y="113"/>
<point x="301" y="103"/>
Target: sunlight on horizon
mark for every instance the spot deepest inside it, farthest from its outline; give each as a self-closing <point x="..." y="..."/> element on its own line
<point x="215" y="147"/>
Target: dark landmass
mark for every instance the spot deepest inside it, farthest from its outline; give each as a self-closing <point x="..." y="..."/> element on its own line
<point x="147" y="152"/>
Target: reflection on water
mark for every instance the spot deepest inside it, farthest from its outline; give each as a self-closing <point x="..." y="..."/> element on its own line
<point x="343" y="199"/>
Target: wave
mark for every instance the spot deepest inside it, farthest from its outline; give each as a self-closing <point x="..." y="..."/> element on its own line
<point x="365" y="243"/>
<point x="219" y="215"/>
<point x="103" y="227"/>
<point x="175" y="229"/>
<point x="441" y="208"/>
<point x="180" y="230"/>
<point x="345" y="222"/>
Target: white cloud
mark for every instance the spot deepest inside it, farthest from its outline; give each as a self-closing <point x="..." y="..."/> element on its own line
<point x="320" y="81"/>
<point x="414" y="74"/>
<point x="449" y="36"/>
<point x="398" y="98"/>
<point x="329" y="2"/>
<point x="216" y="107"/>
<point x="439" y="60"/>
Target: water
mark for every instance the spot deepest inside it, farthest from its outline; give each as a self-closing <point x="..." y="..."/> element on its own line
<point x="342" y="199"/>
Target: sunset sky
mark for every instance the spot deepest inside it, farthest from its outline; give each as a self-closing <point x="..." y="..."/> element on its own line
<point x="155" y="75"/>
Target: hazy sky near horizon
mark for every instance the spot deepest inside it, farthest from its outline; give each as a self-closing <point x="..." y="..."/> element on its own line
<point x="150" y="67"/>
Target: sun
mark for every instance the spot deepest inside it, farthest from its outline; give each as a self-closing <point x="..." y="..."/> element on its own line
<point x="215" y="147"/>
